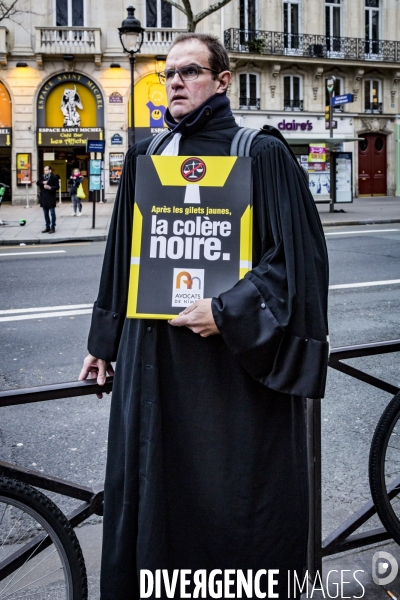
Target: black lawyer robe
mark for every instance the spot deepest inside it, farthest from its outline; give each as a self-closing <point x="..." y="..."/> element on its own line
<point x="207" y="456"/>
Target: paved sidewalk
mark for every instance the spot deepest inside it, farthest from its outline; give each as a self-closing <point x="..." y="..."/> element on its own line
<point x="360" y="212"/>
<point x="68" y="228"/>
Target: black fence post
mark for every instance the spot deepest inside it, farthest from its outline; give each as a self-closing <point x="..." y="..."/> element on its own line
<point x="314" y="558"/>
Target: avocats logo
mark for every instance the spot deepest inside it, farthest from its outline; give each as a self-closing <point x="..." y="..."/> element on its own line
<point x="187" y="286"/>
<point x="193" y="169"/>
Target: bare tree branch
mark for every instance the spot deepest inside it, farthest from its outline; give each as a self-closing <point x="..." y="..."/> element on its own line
<point x="192" y="21"/>
<point x="8" y="10"/>
<point x="213" y="8"/>
<point x="178" y="6"/>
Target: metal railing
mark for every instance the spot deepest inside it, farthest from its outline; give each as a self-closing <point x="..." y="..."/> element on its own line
<point x="310" y="45"/>
<point x="342" y="539"/>
<point x="373" y="107"/>
<point x="91" y="498"/>
<point x="68" y="40"/>
<point x="158" y="40"/>
<point x="293" y="104"/>
<point x="252" y="103"/>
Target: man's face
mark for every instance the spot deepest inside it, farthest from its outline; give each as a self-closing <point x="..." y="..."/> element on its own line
<point x="185" y="96"/>
<point x="47" y="171"/>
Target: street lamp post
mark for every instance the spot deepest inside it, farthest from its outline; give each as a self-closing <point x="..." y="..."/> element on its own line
<point x="131" y="35"/>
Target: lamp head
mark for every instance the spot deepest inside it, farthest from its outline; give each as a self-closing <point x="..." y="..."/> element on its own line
<point x="131" y="33"/>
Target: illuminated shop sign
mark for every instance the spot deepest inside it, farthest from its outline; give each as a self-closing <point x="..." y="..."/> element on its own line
<point x="70" y="110"/>
<point x="294" y="125"/>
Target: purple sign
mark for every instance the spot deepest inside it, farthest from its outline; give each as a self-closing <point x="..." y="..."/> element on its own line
<point x="295" y="125"/>
<point x="115" y="98"/>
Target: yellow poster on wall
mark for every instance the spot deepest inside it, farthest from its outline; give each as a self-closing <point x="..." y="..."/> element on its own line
<point x="23" y="161"/>
<point x="150" y="102"/>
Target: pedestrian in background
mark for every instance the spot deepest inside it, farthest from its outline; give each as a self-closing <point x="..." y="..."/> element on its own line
<point x="48" y="184"/>
<point x="75" y="180"/>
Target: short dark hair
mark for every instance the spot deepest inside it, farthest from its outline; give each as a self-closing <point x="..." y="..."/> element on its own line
<point x="219" y="59"/>
<point x="49" y="167"/>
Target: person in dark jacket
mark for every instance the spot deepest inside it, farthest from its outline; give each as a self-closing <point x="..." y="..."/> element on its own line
<point x="206" y="468"/>
<point x="75" y="181"/>
<point x="48" y="184"/>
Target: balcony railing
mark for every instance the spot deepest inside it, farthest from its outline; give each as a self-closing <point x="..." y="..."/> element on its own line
<point x="310" y="45"/>
<point x="292" y="104"/>
<point x="251" y="103"/>
<point x="158" y="41"/>
<point x="373" y="107"/>
<point x="68" y="40"/>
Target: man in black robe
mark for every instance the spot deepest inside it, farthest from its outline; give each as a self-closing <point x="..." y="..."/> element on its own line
<point x="206" y="463"/>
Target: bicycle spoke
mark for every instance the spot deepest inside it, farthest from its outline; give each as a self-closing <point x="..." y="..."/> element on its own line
<point x="17" y="542"/>
<point x="33" y="582"/>
<point x="34" y="551"/>
<point x="40" y="556"/>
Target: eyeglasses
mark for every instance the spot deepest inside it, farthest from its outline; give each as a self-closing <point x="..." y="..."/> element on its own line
<point x="189" y="73"/>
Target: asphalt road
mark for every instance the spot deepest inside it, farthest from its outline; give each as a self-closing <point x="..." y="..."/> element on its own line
<point x="68" y="438"/>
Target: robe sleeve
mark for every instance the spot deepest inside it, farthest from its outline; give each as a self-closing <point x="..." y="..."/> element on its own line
<point x="110" y="307"/>
<point x="274" y="321"/>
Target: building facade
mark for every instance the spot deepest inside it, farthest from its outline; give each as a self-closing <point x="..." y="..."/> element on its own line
<point x="64" y="79"/>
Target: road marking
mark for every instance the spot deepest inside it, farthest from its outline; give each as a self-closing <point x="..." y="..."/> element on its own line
<point x="53" y="245"/>
<point x="39" y="252"/>
<point x="358" y="232"/>
<point x="64" y="313"/>
<point x="364" y="284"/>
<point x="45" y="308"/>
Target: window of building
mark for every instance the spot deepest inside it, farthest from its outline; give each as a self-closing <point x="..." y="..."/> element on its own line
<point x="69" y="13"/>
<point x="158" y="13"/>
<point x="338" y="90"/>
<point x="292" y="93"/>
<point x="373" y="95"/>
<point x="333" y="25"/>
<point x="291" y="24"/>
<point x="249" y="91"/>
<point x="248" y="15"/>
<point x="371" y="26"/>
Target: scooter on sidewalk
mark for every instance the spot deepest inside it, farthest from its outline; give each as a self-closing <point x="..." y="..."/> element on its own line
<point x="21" y="222"/>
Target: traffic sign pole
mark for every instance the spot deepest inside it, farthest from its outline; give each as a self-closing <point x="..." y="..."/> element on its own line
<point x="330" y="85"/>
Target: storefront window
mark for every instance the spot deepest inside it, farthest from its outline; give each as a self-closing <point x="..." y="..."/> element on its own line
<point x="69" y="13"/>
<point x="158" y="13"/>
<point x="292" y="93"/>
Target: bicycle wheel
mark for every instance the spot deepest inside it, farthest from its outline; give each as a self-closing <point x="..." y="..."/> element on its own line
<point x="384" y="468"/>
<point x="40" y="556"/>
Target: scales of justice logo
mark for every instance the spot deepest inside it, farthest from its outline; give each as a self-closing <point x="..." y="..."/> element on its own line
<point x="187" y="286"/>
<point x="193" y="169"/>
<point x="70" y="101"/>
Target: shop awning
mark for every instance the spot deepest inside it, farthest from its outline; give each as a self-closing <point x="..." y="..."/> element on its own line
<point x="322" y="140"/>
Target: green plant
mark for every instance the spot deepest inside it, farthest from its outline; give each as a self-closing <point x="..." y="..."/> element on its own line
<point x="256" y="45"/>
